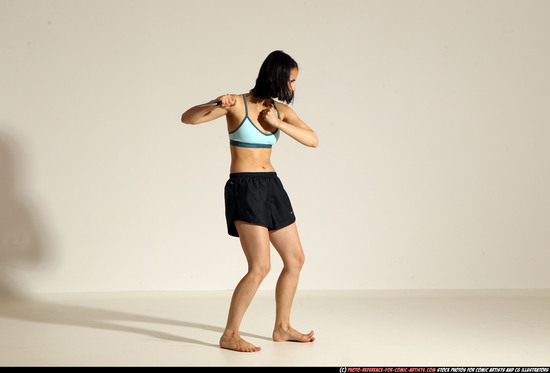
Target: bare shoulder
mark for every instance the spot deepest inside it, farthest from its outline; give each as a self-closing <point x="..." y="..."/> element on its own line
<point x="285" y="110"/>
<point x="288" y="115"/>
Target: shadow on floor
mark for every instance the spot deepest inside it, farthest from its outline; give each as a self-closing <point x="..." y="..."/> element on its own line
<point x="40" y="311"/>
<point x="24" y="242"/>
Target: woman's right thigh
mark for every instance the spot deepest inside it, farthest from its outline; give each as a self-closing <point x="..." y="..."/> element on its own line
<point x="255" y="243"/>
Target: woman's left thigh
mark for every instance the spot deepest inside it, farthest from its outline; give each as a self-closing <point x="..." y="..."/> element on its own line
<point x="287" y="243"/>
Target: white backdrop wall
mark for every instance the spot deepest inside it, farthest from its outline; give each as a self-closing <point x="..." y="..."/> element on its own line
<point x="432" y="170"/>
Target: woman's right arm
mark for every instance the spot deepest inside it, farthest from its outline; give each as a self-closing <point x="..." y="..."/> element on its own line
<point x="209" y="111"/>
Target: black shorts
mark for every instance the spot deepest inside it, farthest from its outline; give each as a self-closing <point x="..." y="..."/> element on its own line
<point x="257" y="198"/>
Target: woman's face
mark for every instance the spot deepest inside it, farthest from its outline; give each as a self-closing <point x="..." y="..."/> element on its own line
<point x="292" y="81"/>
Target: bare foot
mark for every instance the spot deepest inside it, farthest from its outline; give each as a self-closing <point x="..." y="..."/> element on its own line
<point x="236" y="343"/>
<point x="282" y="335"/>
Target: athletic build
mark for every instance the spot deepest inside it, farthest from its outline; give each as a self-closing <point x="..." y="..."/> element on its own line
<point x="258" y="209"/>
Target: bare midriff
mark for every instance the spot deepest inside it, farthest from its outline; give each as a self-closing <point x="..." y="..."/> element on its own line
<point x="250" y="160"/>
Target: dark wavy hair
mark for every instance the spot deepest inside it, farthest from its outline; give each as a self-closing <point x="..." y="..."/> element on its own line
<point x="273" y="78"/>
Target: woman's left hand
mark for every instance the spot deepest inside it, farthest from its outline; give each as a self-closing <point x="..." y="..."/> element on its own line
<point x="270" y="116"/>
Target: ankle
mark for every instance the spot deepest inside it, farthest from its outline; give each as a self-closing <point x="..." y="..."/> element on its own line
<point x="230" y="333"/>
<point x="283" y="326"/>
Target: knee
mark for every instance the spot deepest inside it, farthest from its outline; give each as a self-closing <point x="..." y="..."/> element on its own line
<point x="300" y="260"/>
<point x="260" y="271"/>
<point x="297" y="262"/>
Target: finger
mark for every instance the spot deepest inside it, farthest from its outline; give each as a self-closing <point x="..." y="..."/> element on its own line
<point x="228" y="100"/>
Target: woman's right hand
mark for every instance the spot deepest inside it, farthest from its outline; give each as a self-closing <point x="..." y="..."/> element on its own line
<point x="226" y="101"/>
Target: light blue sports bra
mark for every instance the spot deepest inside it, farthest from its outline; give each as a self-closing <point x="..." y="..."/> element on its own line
<point x="247" y="135"/>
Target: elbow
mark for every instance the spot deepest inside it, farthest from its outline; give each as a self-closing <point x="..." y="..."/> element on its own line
<point x="314" y="142"/>
<point x="186" y="120"/>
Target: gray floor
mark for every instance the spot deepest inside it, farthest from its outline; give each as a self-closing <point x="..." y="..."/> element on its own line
<point x="353" y="328"/>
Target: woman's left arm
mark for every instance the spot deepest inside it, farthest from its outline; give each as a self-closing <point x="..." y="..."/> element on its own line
<point x="291" y="124"/>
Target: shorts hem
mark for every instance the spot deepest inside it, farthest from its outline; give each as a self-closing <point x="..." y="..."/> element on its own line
<point x="232" y="229"/>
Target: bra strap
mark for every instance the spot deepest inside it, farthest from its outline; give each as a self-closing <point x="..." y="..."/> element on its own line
<point x="245" y="105"/>
<point x="278" y="115"/>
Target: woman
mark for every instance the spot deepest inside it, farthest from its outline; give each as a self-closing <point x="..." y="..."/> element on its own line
<point x="257" y="208"/>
